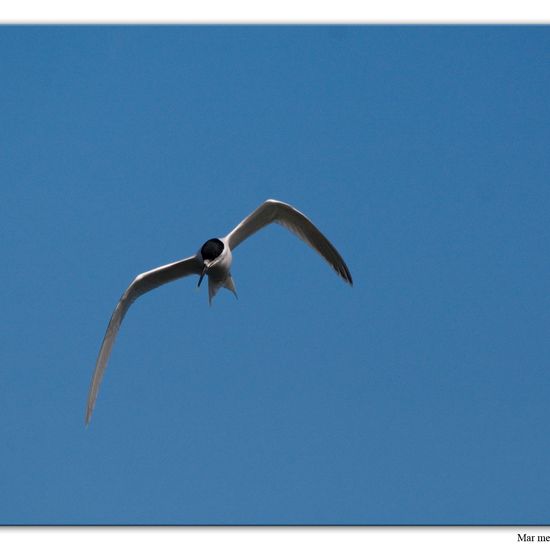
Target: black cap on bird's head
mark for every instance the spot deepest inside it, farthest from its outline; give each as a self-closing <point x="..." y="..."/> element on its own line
<point x="210" y="250"/>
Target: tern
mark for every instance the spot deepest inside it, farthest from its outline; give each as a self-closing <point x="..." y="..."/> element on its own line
<point x="214" y="260"/>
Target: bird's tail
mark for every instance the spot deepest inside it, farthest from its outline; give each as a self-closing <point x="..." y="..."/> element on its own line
<point x="214" y="286"/>
<point x="230" y="285"/>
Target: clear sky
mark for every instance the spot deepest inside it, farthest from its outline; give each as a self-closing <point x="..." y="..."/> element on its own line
<point x="420" y="395"/>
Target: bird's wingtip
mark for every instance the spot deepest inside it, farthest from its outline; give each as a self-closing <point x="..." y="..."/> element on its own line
<point x="88" y="416"/>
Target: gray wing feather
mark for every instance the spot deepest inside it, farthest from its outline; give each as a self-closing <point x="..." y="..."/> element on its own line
<point x="272" y="211"/>
<point x="140" y="285"/>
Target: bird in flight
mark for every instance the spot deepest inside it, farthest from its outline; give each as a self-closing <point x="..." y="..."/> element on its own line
<point x="214" y="261"/>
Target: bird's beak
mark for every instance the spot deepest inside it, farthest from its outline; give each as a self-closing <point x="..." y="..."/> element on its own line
<point x="204" y="270"/>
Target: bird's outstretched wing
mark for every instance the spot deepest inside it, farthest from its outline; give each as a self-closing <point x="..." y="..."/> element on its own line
<point x="140" y="285"/>
<point x="272" y="211"/>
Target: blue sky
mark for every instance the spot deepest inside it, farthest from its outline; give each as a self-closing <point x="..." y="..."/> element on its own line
<point x="417" y="396"/>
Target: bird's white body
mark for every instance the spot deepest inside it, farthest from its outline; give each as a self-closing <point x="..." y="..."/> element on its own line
<point x="214" y="260"/>
<point x="219" y="271"/>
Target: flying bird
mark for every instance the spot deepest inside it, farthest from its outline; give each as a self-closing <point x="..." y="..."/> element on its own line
<point x="213" y="260"/>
